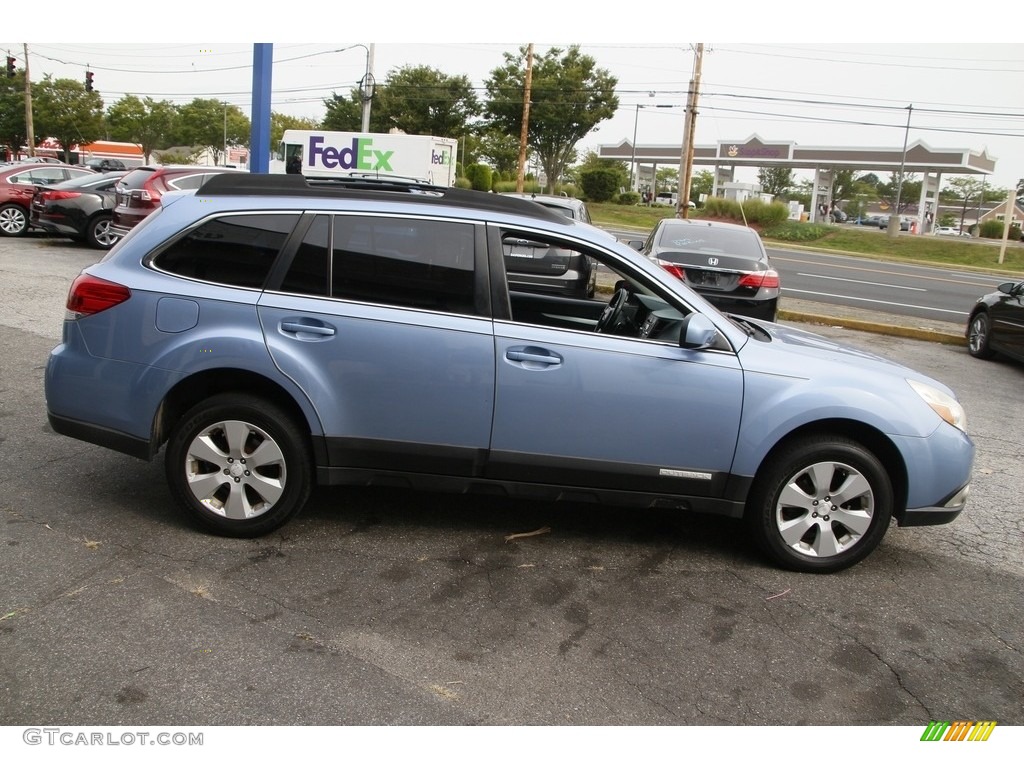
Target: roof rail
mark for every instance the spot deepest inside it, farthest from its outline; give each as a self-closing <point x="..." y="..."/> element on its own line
<point x="369" y="187"/>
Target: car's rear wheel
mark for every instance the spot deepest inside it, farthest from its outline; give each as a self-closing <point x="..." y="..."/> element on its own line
<point x="978" y="336"/>
<point x="13" y="220"/>
<point x="239" y="465"/>
<point x="821" y="504"/>
<point x="99" y="235"/>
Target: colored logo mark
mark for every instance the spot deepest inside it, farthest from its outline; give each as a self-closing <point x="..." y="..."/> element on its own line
<point x="959" y="730"/>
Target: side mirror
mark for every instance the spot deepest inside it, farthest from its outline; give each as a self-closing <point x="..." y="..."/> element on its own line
<point x="697" y="332"/>
<point x="636" y="245"/>
<point x="1011" y="289"/>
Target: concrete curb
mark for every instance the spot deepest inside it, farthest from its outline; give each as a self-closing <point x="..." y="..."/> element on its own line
<point x="888" y="329"/>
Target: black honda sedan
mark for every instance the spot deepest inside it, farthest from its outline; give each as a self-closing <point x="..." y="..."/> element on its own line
<point x="725" y="263"/>
<point x="79" y="208"/>
<point x="996" y="323"/>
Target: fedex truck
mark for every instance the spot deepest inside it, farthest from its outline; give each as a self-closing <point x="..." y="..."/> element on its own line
<point x="324" y="154"/>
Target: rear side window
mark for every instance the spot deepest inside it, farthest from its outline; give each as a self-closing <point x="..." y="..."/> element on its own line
<point x="234" y="250"/>
<point x="415" y="263"/>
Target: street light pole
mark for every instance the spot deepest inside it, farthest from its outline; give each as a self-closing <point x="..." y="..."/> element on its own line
<point x="225" y="160"/>
<point x="634" y="182"/>
<point x="894" y="221"/>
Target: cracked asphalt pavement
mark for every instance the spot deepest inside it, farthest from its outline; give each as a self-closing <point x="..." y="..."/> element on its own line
<point x="382" y="606"/>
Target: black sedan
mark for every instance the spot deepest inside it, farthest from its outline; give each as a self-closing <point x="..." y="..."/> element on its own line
<point x="725" y="263"/>
<point x="997" y="323"/>
<point x="79" y="208"/>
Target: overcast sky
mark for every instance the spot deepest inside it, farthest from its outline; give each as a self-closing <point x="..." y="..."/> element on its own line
<point x="964" y="95"/>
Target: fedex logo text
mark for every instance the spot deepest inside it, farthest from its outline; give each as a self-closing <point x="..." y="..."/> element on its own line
<point x="359" y="156"/>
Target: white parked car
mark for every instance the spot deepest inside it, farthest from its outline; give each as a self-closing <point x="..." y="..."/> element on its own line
<point x="951" y="232"/>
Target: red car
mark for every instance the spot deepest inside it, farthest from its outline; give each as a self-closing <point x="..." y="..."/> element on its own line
<point x="19" y="184"/>
<point x="139" y="191"/>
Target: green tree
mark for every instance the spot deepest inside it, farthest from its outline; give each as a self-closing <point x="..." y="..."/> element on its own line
<point x="345" y="113"/>
<point x="423" y="101"/>
<point x="502" y="150"/>
<point x="569" y="96"/>
<point x="909" y="193"/>
<point x="147" y="123"/>
<point x="64" y="110"/>
<point x="419" y="100"/>
<point x="776" y="181"/>
<point x="13" y="133"/>
<point x="965" y="190"/>
<point x="701" y="183"/>
<point x="212" y="124"/>
<point x="279" y="123"/>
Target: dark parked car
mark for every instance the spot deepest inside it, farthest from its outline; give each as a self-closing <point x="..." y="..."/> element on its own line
<point x="725" y="263"/>
<point x="536" y="268"/>
<point x="102" y="164"/>
<point x="139" y="191"/>
<point x="996" y="323"/>
<point x="269" y="332"/>
<point x="80" y="208"/>
<point x="883" y="223"/>
<point x="19" y="184"/>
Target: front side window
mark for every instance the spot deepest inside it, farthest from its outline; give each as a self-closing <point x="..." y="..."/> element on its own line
<point x="234" y="250"/>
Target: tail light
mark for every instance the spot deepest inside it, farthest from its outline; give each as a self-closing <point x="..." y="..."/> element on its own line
<point x="89" y="295"/>
<point x="59" y="194"/>
<point x="673" y="269"/>
<point x="768" y="279"/>
<point x="145" y="195"/>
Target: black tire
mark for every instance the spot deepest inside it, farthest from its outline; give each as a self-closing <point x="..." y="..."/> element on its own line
<point x="98" y="233"/>
<point x="239" y="465"/>
<point x="979" y="333"/>
<point x="820" y="505"/>
<point x="13" y="220"/>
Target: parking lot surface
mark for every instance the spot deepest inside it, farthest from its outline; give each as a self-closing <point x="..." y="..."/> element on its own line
<point x="383" y="606"/>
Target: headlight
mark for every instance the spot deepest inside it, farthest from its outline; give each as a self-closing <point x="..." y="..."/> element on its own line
<point x="948" y="408"/>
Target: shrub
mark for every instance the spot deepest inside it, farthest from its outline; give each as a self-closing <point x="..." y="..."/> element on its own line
<point x="600" y="184"/>
<point x="463" y="183"/>
<point x="796" y="232"/>
<point x="753" y="211"/>
<point x="992" y="228"/>
<point x="479" y="176"/>
<point x="628" y="198"/>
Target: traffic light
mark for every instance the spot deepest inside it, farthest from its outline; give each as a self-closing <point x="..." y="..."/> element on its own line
<point x="88" y="80"/>
<point x="11" y="61"/>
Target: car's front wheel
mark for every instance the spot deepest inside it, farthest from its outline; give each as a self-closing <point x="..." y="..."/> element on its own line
<point x="978" y="333"/>
<point x="239" y="465"/>
<point x="821" y="504"/>
<point x="13" y="220"/>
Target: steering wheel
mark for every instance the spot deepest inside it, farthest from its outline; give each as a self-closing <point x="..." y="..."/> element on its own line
<point x="610" y="315"/>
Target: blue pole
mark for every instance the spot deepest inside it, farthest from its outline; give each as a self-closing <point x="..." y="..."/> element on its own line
<point x="259" y="137"/>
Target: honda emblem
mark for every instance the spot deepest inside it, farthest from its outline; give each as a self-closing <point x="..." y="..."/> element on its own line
<point x="712" y="261"/>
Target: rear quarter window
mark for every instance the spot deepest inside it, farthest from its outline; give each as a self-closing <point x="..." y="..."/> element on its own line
<point x="236" y="250"/>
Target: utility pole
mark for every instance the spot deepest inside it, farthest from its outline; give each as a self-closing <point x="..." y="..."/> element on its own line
<point x="689" y="129"/>
<point x="526" y="118"/>
<point x="29" y="128"/>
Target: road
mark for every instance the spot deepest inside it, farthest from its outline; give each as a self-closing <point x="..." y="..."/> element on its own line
<point x="383" y="606"/>
<point x="932" y="293"/>
<point x="938" y="294"/>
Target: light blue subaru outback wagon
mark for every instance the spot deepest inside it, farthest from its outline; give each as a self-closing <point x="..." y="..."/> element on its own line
<point x="268" y="333"/>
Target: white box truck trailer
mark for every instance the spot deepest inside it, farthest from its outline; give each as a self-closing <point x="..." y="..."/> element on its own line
<point x="323" y="154"/>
